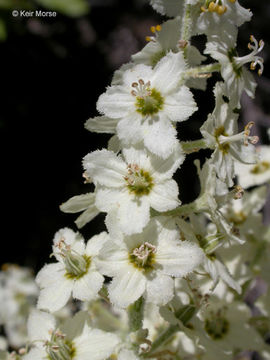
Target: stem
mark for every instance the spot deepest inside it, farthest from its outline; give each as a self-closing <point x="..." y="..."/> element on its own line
<point x="200" y="71"/>
<point x="184" y="314"/>
<point x="185" y="31"/>
<point x="193" y="146"/>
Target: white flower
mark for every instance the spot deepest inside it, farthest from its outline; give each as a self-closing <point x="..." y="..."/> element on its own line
<point x="18" y="292"/>
<point x="74" y="340"/>
<point x="250" y="175"/>
<point x="170" y="8"/>
<point x="85" y="203"/>
<point x="211" y="195"/>
<point x="212" y="263"/>
<point x="220" y="132"/>
<point x="147" y="101"/>
<point x="223" y="329"/>
<point x="166" y="38"/>
<point x="237" y="77"/>
<point x="144" y="264"/>
<point x="219" y="15"/>
<point x="18" y="295"/>
<point x="245" y="213"/>
<point x="132" y="185"/>
<point x="75" y="272"/>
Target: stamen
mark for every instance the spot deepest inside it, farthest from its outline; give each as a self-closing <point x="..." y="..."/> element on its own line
<point x="182" y="44"/>
<point x="87" y="179"/>
<point x="242" y="136"/>
<point x="143" y="252"/>
<point x="252" y="58"/>
<point x="238" y="192"/>
<point x="76" y="264"/>
<point x="252" y="139"/>
<point x="216" y="6"/>
<point x="58" y="348"/>
<point x="140" y="89"/>
<point x="154" y="30"/>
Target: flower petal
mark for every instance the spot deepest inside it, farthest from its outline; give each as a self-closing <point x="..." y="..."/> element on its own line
<point x="108" y="199"/>
<point x="78" y="203"/>
<point x="113" y="259"/>
<point x="116" y="102"/>
<point x="39" y="325"/>
<point x="105" y="168"/>
<point x="178" y="258"/>
<point x="94" y="245"/>
<point x="164" y="169"/>
<point x="86" y="216"/>
<point x="180" y="105"/>
<point x="101" y="124"/>
<point x="164" y="196"/>
<point x="55" y="287"/>
<point x="36" y="354"/>
<point x="137" y="72"/>
<point x="127" y="288"/>
<point x="87" y="287"/>
<point x="160" y="290"/>
<point x="159" y="137"/>
<point x="94" y="344"/>
<point x="133" y="214"/>
<point x="167" y="72"/>
<point x="129" y="130"/>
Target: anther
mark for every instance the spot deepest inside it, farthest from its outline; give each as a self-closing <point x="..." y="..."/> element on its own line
<point x="247" y="138"/>
<point x="212" y="6"/>
<point x="182" y="44"/>
<point x="221" y="9"/>
<point x="238" y="192"/>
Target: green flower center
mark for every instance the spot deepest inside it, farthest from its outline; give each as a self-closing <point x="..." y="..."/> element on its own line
<point x="76" y="265"/>
<point x="143" y="257"/>
<point x="58" y="348"/>
<point x="260" y="168"/>
<point x="139" y="181"/>
<point x="223" y="147"/>
<point x="217" y="326"/>
<point x="148" y="101"/>
<point x="236" y="68"/>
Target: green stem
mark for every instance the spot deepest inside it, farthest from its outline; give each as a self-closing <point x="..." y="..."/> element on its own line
<point x="184" y="314"/>
<point x="199" y="71"/>
<point x="194" y="145"/>
<point x="185" y="31"/>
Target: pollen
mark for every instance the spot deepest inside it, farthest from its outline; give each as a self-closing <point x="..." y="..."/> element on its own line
<point x="154" y="30"/>
<point x="215" y="6"/>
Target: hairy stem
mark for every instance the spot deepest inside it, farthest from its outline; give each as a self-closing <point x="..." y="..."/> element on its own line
<point x="184" y="314"/>
<point x="194" y="145"/>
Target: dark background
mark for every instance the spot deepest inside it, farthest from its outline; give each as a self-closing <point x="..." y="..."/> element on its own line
<point x="53" y="70"/>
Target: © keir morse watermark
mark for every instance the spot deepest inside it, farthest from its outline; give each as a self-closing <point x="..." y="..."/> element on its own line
<point x="33" y="13"/>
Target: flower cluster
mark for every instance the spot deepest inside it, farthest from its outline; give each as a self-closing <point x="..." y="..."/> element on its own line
<point x="164" y="280"/>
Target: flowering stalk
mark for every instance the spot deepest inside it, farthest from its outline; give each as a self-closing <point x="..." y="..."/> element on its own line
<point x="163" y="280"/>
